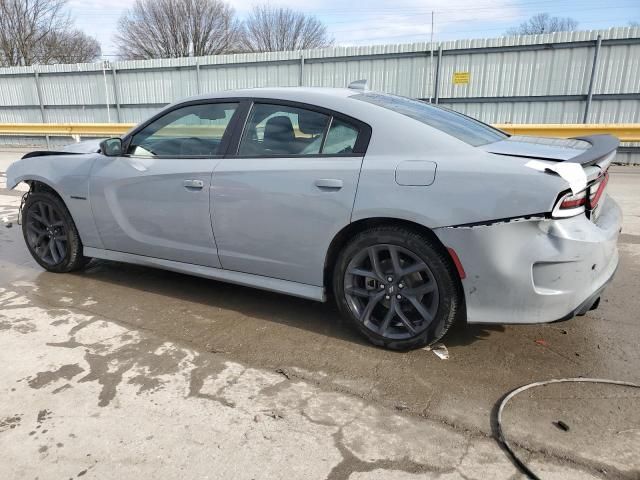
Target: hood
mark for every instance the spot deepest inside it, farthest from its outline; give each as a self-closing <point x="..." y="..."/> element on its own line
<point x="87" y="146"/>
<point x="558" y="149"/>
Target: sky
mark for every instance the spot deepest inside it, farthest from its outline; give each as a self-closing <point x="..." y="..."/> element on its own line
<point x="398" y="21"/>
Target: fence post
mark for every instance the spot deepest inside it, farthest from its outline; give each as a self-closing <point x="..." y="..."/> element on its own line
<point x="42" y="114"/>
<point x="437" y="80"/>
<point x="592" y="79"/>
<point x="116" y="96"/>
<point x="198" y="91"/>
<point x="106" y="91"/>
<point x="301" y="81"/>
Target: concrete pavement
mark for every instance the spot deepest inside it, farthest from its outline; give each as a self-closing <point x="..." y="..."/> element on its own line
<point x="127" y="372"/>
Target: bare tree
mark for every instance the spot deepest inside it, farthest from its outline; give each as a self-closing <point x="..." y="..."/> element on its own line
<point x="269" y="29"/>
<point x="40" y="31"/>
<point x="544" y="23"/>
<point x="73" y="46"/>
<point x="177" y="28"/>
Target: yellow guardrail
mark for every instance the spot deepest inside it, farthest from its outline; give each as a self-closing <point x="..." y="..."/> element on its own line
<point x="65" y="129"/>
<point x="626" y="132"/>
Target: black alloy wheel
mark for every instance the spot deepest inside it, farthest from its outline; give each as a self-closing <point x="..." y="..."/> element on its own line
<point x="398" y="286"/>
<point x="50" y="233"/>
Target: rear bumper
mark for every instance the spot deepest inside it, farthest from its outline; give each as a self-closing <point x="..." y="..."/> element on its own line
<point x="590" y="303"/>
<point x="536" y="271"/>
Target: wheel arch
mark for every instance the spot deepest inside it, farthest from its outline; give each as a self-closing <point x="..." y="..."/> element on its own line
<point x="348" y="232"/>
<point x="37" y="185"/>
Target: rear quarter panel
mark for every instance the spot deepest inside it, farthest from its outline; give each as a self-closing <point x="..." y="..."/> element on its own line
<point x="470" y="184"/>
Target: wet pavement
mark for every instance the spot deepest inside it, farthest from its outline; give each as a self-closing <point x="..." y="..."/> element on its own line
<point x="140" y="372"/>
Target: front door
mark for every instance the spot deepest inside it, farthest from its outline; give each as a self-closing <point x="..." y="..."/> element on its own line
<point x="278" y="203"/>
<point x="155" y="200"/>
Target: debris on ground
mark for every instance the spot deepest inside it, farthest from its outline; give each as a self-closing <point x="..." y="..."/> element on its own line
<point x="274" y="415"/>
<point x="439" y="349"/>
<point x="561" y="425"/>
<point x="7" y="222"/>
<point x="542" y="342"/>
<point x="211" y="349"/>
<point x="401" y="406"/>
<point x="284" y="373"/>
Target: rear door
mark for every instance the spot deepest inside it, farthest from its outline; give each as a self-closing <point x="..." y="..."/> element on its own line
<point x="155" y="200"/>
<point x="290" y="188"/>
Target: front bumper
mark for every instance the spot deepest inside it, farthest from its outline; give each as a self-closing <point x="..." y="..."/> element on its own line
<point x="536" y="271"/>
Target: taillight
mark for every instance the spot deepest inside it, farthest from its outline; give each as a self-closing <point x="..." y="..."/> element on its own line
<point x="596" y="190"/>
<point x="571" y="204"/>
<point x="574" y="201"/>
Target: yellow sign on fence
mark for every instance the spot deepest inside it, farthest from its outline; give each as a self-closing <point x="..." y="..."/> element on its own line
<point x="460" y="78"/>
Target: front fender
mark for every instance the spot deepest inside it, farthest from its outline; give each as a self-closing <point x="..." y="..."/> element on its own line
<point x="68" y="176"/>
<point x="15" y="177"/>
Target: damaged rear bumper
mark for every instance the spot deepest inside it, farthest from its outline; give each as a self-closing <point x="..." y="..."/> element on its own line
<point x="536" y="271"/>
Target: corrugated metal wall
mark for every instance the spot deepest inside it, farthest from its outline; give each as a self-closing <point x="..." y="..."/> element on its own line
<point x="525" y="79"/>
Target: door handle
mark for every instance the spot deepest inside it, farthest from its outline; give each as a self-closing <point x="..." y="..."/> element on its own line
<point x="193" y="184"/>
<point x="329" y="183"/>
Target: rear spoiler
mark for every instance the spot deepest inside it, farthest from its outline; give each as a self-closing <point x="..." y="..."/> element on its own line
<point x="601" y="147"/>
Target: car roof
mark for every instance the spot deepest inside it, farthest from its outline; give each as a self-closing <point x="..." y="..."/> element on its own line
<point x="336" y="99"/>
<point x="283" y="93"/>
<point x="393" y="129"/>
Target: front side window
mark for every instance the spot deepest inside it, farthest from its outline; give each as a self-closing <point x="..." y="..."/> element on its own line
<point x="276" y="130"/>
<point x="464" y="128"/>
<point x="194" y="131"/>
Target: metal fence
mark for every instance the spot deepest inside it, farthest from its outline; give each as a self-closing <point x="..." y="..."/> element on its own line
<point x="570" y="77"/>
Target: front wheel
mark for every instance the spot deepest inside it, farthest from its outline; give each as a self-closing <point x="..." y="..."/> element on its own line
<point x="398" y="287"/>
<point x="50" y="234"/>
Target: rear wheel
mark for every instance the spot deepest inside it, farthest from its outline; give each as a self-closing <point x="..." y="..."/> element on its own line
<point x="50" y="234"/>
<point x="397" y="286"/>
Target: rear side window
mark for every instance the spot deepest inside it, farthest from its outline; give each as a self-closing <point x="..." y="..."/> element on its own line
<point x="464" y="128"/>
<point x="274" y="130"/>
<point x="284" y="130"/>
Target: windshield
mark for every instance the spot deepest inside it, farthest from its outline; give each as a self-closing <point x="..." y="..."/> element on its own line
<point x="464" y="128"/>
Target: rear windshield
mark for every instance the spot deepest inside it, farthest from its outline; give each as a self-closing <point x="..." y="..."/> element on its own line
<point x="464" y="128"/>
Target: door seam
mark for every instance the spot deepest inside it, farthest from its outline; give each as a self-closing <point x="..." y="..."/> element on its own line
<point x="211" y="211"/>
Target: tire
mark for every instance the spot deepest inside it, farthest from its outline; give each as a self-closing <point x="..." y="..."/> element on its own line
<point x="414" y="309"/>
<point x="50" y="233"/>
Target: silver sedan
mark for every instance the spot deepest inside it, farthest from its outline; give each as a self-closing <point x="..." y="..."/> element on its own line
<point x="410" y="216"/>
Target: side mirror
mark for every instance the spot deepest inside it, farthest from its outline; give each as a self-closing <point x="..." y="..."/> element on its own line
<point x="111" y="147"/>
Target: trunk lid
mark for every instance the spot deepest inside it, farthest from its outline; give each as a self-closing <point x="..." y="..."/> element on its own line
<point x="586" y="151"/>
<point x="594" y="153"/>
<point x="557" y="149"/>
